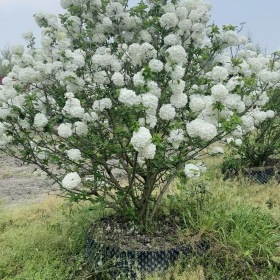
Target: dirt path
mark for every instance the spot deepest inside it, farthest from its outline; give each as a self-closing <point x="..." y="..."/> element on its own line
<point x="19" y="184"/>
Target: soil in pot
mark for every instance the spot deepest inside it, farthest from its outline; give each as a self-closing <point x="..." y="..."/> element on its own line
<point x="119" y="246"/>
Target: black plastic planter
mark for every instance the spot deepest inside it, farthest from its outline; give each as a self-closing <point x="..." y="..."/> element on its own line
<point x="133" y="264"/>
<point x="260" y="174"/>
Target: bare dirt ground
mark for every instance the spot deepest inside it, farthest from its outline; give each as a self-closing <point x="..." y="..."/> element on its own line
<point x="20" y="183"/>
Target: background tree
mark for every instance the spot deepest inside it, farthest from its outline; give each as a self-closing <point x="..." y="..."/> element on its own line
<point x="5" y="62"/>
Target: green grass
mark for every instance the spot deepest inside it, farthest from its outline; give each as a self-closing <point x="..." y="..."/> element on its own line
<point x="43" y="241"/>
<point x="242" y="228"/>
<point x="46" y="241"/>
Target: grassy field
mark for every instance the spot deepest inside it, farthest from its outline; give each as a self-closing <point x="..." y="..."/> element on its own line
<point x="240" y="219"/>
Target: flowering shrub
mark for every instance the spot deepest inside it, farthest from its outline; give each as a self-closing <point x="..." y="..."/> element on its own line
<point x="5" y="68"/>
<point x="118" y="100"/>
<point x="258" y="147"/>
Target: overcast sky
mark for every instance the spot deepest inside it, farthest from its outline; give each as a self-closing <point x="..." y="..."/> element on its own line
<point x="262" y="18"/>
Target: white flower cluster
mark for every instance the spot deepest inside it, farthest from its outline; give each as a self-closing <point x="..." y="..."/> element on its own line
<point x="219" y="92"/>
<point x="118" y="79"/>
<point x="192" y="171"/>
<point x="202" y="129"/>
<point x="217" y="150"/>
<point x="142" y="143"/>
<point x="167" y="112"/>
<point x="156" y="65"/>
<point x="168" y="20"/>
<point x="40" y="120"/>
<point x="64" y="130"/>
<point x="128" y="97"/>
<point x="71" y="181"/>
<point x="5" y="62"/>
<point x="74" y="154"/>
<point x="219" y="73"/>
<point x="176" y="137"/>
<point x="73" y="106"/>
<point x="102" y="104"/>
<point x="4" y="138"/>
<point x="176" y="54"/>
<point x="231" y="140"/>
<point x="80" y="128"/>
<point x="197" y="103"/>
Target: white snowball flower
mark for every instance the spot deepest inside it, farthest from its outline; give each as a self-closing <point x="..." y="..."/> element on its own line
<point x="114" y="9"/>
<point x="65" y="4"/>
<point x="258" y="115"/>
<point x="4" y="139"/>
<point x="145" y="36"/>
<point x="179" y="100"/>
<point x="168" y="20"/>
<point x="74" y="154"/>
<point x="171" y="40"/>
<point x="80" y="128"/>
<point x="230" y="140"/>
<point x="73" y="107"/>
<point x="230" y="38"/>
<point x="185" y="25"/>
<point x="102" y="104"/>
<point x="182" y="12"/>
<point x="40" y="120"/>
<point x="269" y="76"/>
<point x="154" y="89"/>
<point x="141" y="138"/>
<point x="233" y="83"/>
<point x="64" y="130"/>
<point x="156" y="65"/>
<point x="176" y="137"/>
<point x="167" y="112"/>
<point x="217" y="150"/>
<point x="90" y="117"/>
<point x="4" y="111"/>
<point x="148" y="51"/>
<point x="138" y="79"/>
<point x="219" y="73"/>
<point x="17" y="49"/>
<point x="29" y="75"/>
<point x="202" y="167"/>
<point x="41" y="155"/>
<point x="169" y="8"/>
<point x="233" y="101"/>
<point x="134" y="51"/>
<point x="2" y="128"/>
<point x="177" y="73"/>
<point x="197" y="104"/>
<point x="176" y="54"/>
<point x="148" y="151"/>
<point x="177" y="86"/>
<point x="202" y="129"/>
<point x="69" y="95"/>
<point x="238" y="142"/>
<point x="128" y="97"/>
<point x="5" y="62"/>
<point x="219" y="92"/>
<point x="71" y="181"/>
<point x="270" y="114"/>
<point x="149" y="100"/>
<point x="100" y="77"/>
<point x="263" y="99"/>
<point x="118" y="79"/>
<point x="256" y="64"/>
<point x="247" y="123"/>
<point x="192" y="171"/>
